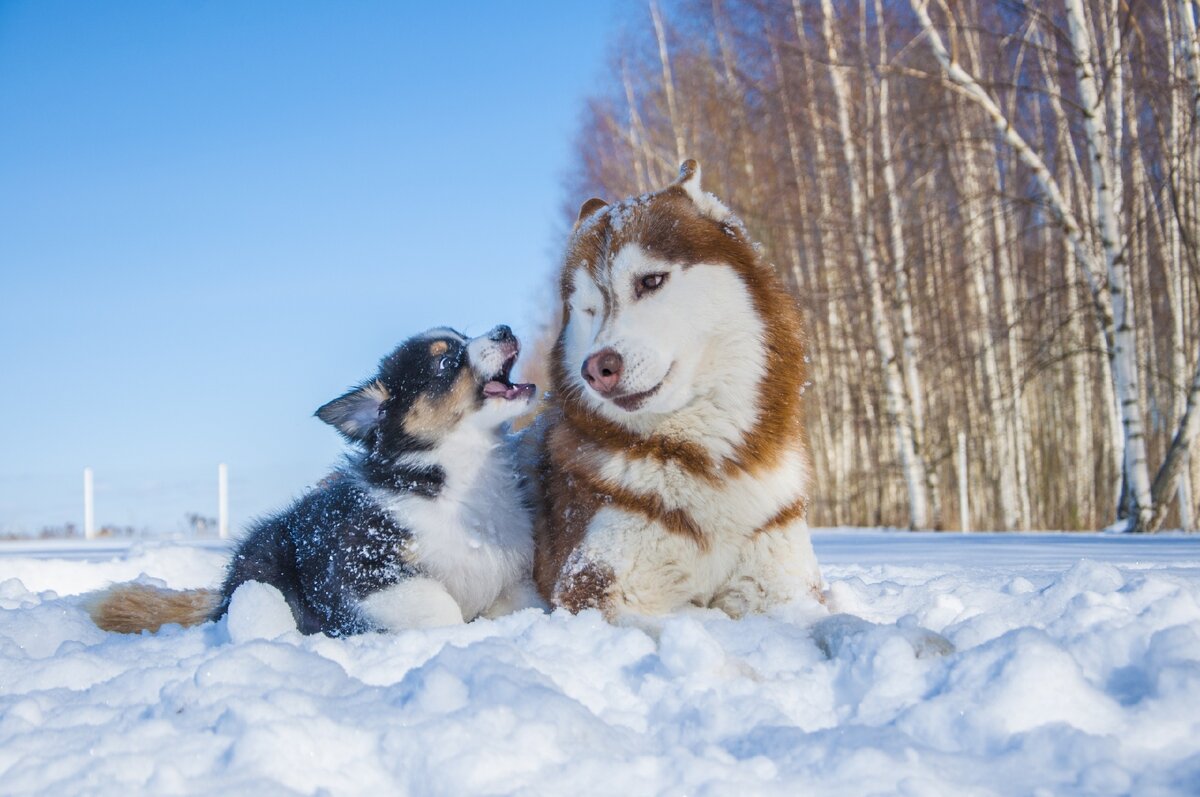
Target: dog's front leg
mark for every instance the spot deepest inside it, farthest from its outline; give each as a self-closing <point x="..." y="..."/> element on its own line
<point x="628" y="564"/>
<point x="774" y="567"/>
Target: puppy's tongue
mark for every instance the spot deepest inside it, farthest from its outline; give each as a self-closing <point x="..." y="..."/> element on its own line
<point x="500" y="390"/>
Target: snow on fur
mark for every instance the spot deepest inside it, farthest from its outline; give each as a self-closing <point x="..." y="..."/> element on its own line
<point x="1076" y="671"/>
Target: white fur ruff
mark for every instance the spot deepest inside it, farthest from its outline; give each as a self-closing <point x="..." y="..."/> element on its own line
<point x="475" y="538"/>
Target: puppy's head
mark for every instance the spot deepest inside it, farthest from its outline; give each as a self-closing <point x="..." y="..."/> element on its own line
<point x="429" y="386"/>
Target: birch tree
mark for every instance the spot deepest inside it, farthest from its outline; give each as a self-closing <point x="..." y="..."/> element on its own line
<point x="899" y="406"/>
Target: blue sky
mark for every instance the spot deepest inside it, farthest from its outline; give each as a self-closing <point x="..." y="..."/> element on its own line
<point x="215" y="216"/>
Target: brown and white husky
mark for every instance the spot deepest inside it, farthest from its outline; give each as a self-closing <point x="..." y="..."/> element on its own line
<point x="673" y="465"/>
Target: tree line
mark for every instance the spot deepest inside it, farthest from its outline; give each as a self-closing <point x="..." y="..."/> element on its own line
<point x="988" y="213"/>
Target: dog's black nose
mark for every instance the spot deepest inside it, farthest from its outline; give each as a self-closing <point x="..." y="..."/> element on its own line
<point x="502" y="334"/>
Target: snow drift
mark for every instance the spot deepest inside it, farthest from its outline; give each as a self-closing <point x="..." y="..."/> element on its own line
<point x="1076" y="671"/>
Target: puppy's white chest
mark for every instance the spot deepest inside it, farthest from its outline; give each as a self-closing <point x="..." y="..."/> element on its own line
<point x="475" y="537"/>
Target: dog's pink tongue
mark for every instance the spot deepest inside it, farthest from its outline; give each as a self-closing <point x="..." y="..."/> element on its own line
<point x="501" y="390"/>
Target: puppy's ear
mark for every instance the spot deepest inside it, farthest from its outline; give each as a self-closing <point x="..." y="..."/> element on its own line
<point x="589" y="208"/>
<point x="356" y="413"/>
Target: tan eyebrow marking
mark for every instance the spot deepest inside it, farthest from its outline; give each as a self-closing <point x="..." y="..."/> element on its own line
<point x="438" y="347"/>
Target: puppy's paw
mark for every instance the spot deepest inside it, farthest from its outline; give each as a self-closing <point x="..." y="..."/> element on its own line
<point x="411" y="603"/>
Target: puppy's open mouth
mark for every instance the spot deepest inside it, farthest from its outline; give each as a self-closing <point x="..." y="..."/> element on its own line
<point x="499" y="386"/>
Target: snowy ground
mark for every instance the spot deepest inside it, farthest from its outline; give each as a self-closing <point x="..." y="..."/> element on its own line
<point x="1077" y="671"/>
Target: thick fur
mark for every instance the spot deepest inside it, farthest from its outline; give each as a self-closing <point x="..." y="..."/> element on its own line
<point x="130" y="608"/>
<point x="426" y="524"/>
<point x="688" y="482"/>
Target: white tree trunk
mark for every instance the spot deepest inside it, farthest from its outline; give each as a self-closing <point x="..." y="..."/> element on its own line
<point x="738" y="109"/>
<point x="1190" y="44"/>
<point x="826" y="270"/>
<point x="1189" y="49"/>
<point x="911" y="464"/>
<point x="1173" y="477"/>
<point x="636" y="133"/>
<point x="1008" y="316"/>
<point x="664" y="58"/>
<point x="978" y="258"/>
<point x="909" y="346"/>
<point x="969" y="87"/>
<point x="1112" y="241"/>
<point x="1167" y="480"/>
<point x="1113" y="444"/>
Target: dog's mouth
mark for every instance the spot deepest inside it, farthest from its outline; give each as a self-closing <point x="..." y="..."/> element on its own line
<point x="632" y="402"/>
<point x="499" y="386"/>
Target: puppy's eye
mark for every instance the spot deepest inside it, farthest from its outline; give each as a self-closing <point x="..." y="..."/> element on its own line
<point x="649" y="283"/>
<point x="443" y="364"/>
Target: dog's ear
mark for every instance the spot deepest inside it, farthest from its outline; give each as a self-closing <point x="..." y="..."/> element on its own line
<point x="356" y="413"/>
<point x="588" y="208"/>
<point x="689" y="176"/>
<point x="706" y="203"/>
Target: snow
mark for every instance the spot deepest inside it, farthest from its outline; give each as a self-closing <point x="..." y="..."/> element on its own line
<point x="1076" y="670"/>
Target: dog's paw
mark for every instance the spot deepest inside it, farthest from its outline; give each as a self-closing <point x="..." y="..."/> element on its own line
<point x="412" y="603"/>
<point x="734" y="603"/>
<point x="585" y="587"/>
<point x="515" y="598"/>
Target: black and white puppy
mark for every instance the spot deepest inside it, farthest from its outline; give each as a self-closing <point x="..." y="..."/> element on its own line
<point x="426" y="524"/>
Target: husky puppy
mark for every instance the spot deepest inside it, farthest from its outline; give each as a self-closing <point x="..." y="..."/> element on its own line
<point x="673" y="464"/>
<point x="424" y="525"/>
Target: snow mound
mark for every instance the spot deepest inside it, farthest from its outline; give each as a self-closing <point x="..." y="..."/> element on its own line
<point x="999" y="665"/>
<point x="258" y="611"/>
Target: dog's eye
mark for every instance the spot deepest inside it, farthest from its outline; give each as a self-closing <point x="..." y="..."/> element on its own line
<point x="443" y="364"/>
<point x="649" y="283"/>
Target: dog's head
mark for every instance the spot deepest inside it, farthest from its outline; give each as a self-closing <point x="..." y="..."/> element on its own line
<point x="661" y="305"/>
<point x="430" y="386"/>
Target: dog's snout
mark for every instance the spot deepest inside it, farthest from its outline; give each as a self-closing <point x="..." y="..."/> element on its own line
<point x="603" y="370"/>
<point x="502" y="334"/>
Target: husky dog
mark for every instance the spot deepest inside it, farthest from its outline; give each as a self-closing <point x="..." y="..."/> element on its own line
<point x="425" y="524"/>
<point x="673" y="465"/>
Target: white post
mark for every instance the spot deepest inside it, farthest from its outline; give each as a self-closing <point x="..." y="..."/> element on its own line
<point x="964" y="509"/>
<point x="223" y="501"/>
<point x="89" y="507"/>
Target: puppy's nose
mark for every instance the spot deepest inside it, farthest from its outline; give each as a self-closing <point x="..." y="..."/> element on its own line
<point x="502" y="334"/>
<point x="603" y="370"/>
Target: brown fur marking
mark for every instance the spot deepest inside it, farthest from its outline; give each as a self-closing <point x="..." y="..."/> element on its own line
<point x="430" y="418"/>
<point x="794" y="511"/>
<point x="603" y="433"/>
<point x="585" y="589"/>
<point x="571" y="458"/>
<point x="132" y="608"/>
<point x="438" y="347"/>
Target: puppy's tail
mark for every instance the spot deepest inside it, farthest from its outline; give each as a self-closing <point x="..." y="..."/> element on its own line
<point x="130" y="608"/>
